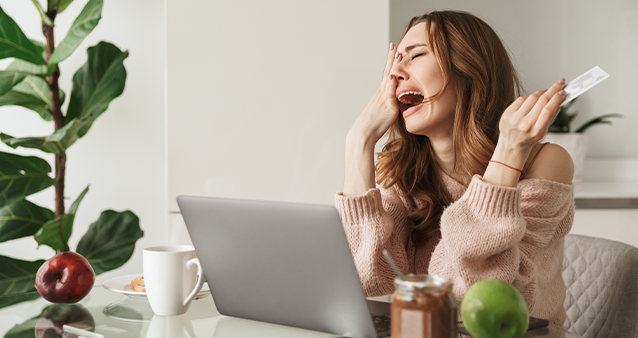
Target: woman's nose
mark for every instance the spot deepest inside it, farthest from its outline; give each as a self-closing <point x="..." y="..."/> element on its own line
<point x="398" y="68"/>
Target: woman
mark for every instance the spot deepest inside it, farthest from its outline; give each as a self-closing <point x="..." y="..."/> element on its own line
<point x="452" y="198"/>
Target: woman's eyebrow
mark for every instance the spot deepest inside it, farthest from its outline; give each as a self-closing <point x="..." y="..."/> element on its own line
<point x="411" y="47"/>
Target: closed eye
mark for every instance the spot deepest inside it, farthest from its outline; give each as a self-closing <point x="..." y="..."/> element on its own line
<point x="417" y="55"/>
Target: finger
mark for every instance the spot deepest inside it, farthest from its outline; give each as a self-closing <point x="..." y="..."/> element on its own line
<point x="555" y="88"/>
<point x="545" y="98"/>
<point x="548" y="114"/>
<point x="515" y="105"/>
<point x="392" y="103"/>
<point x="390" y="86"/>
<point x="389" y="61"/>
<point x="529" y="103"/>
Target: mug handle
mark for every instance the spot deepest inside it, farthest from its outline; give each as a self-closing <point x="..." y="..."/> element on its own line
<point x="200" y="280"/>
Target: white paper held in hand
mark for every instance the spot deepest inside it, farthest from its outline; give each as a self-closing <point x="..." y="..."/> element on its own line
<point x="583" y="83"/>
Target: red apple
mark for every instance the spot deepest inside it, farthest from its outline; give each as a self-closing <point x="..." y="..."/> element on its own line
<point x="54" y="317"/>
<point x="65" y="278"/>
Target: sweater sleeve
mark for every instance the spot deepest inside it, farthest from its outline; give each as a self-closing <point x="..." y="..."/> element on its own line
<point x="512" y="234"/>
<point x="374" y="222"/>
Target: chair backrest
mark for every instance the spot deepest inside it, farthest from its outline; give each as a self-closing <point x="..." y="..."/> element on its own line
<point x="602" y="287"/>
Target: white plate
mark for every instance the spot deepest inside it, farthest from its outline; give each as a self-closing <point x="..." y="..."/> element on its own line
<point x="122" y="284"/>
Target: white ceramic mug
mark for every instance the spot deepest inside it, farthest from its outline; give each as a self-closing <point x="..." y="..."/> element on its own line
<point x="170" y="278"/>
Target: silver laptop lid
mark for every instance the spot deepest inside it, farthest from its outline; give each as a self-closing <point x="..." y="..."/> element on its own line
<point x="281" y="263"/>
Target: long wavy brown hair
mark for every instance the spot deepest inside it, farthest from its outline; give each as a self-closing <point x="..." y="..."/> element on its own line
<point x="468" y="50"/>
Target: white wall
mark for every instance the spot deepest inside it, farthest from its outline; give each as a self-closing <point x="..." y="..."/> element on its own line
<point x="554" y="39"/>
<point x="617" y="225"/>
<point x="122" y="156"/>
<point x="261" y="94"/>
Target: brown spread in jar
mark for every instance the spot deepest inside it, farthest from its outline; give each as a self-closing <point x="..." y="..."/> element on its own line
<point x="423" y="306"/>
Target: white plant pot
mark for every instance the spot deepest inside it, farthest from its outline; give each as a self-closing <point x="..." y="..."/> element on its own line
<point x="576" y="146"/>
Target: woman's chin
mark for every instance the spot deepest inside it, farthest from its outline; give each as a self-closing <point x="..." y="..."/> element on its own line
<point x="416" y="130"/>
<point x="424" y="123"/>
<point x="415" y="125"/>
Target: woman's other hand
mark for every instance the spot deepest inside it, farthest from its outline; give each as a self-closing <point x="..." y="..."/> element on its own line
<point x="526" y="121"/>
<point x="383" y="109"/>
<point x="523" y="124"/>
<point x="370" y="126"/>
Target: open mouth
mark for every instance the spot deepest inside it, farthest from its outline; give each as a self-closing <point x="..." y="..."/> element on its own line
<point x="409" y="99"/>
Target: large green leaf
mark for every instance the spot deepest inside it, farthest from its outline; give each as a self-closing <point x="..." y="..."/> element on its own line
<point x="15" y="164"/>
<point x="56" y="143"/>
<point x="22" y="218"/>
<point x="13" y="42"/>
<point x="82" y="26"/>
<point x="38" y="87"/>
<point x="28" y="67"/>
<point x="17" y="280"/>
<point x="16" y="98"/>
<point x="15" y="187"/>
<point x="18" y="298"/>
<point x="43" y="15"/>
<point x="60" y="4"/>
<point x="32" y="93"/>
<point x="110" y="241"/>
<point x="9" y="79"/>
<point x="56" y="232"/>
<point x="100" y="80"/>
<point x="22" y="176"/>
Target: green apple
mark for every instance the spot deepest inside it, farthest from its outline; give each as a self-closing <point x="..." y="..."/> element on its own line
<point x="494" y="309"/>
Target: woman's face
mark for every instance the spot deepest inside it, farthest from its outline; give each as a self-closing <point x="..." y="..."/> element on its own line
<point x="419" y="75"/>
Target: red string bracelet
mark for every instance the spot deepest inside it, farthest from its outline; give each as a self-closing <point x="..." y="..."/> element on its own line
<point x="520" y="171"/>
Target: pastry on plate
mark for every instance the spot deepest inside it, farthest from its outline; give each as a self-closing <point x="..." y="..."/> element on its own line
<point x="137" y="284"/>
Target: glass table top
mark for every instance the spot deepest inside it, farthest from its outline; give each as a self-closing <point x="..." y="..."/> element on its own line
<point x="111" y="314"/>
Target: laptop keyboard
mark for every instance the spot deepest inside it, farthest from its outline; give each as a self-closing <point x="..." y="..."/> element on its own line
<point x="381" y="323"/>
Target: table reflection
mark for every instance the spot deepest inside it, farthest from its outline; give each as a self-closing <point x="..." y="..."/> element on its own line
<point x="53" y="321"/>
<point x="104" y="313"/>
<point x="129" y="310"/>
<point x="171" y="326"/>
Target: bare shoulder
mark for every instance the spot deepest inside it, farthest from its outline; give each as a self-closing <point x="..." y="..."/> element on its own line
<point x="552" y="163"/>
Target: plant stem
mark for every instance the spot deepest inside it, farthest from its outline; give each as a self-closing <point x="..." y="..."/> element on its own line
<point x="58" y="118"/>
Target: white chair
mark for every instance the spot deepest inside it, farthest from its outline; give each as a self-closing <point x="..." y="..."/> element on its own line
<point x="602" y="287"/>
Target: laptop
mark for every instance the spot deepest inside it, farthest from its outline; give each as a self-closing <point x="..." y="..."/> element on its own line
<point x="282" y="263"/>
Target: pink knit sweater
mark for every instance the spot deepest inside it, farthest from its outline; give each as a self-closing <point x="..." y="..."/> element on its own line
<point x="512" y="234"/>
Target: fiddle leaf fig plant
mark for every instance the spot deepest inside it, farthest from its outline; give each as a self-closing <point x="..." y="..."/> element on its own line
<point x="562" y="122"/>
<point x="31" y="82"/>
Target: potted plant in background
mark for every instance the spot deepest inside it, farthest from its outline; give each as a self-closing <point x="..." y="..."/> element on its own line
<point x="575" y="142"/>
<point x="31" y="81"/>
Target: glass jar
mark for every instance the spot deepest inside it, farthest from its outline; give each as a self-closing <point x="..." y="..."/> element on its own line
<point x="423" y="306"/>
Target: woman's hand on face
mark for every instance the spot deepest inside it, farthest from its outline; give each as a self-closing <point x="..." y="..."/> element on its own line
<point x="527" y="119"/>
<point x="383" y="108"/>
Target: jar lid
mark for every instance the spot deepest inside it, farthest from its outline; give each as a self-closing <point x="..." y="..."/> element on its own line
<point x="421" y="281"/>
<point x="440" y="280"/>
